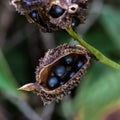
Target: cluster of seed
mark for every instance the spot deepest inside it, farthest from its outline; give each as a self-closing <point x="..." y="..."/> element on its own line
<point x="67" y="67"/>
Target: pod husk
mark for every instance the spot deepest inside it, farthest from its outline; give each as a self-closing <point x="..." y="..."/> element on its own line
<point x="42" y="70"/>
<point x="42" y="7"/>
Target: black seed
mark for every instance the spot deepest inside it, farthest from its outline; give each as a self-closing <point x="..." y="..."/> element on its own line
<point x="60" y="71"/>
<point x="62" y="82"/>
<point x="67" y="77"/>
<point x="52" y="83"/>
<point x="34" y="15"/>
<point x="56" y="11"/>
<point x="75" y="22"/>
<point x="80" y="64"/>
<point x="71" y="74"/>
<point x="68" y="60"/>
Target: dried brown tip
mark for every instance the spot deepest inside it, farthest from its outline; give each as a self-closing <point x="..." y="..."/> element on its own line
<point x="28" y="87"/>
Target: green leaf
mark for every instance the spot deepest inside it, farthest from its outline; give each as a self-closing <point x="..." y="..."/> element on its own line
<point x="110" y="20"/>
<point x="100" y="89"/>
<point x="7" y="81"/>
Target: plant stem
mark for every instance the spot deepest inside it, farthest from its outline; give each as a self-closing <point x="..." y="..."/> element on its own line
<point x="99" y="56"/>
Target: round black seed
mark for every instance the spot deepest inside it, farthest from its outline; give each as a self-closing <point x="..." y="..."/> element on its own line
<point x="62" y="82"/>
<point x="56" y="11"/>
<point x="60" y="71"/>
<point x="80" y="64"/>
<point x="67" y="77"/>
<point x="75" y="22"/>
<point x="34" y="15"/>
<point x="52" y="83"/>
<point x="71" y="74"/>
<point x="68" y="60"/>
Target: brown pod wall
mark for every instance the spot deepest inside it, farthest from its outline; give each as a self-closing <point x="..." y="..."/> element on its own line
<point x="52" y="15"/>
<point x="56" y="66"/>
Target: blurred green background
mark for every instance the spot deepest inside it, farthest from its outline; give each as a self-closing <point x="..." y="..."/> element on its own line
<point x="22" y="44"/>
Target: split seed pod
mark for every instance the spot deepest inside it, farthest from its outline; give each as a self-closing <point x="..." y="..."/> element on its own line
<point x="59" y="72"/>
<point x="52" y="15"/>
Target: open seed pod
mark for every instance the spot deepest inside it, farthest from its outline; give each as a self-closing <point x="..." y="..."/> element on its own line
<point x="52" y="15"/>
<point x="59" y="72"/>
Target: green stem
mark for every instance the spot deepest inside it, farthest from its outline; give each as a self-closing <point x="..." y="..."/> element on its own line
<point x="103" y="59"/>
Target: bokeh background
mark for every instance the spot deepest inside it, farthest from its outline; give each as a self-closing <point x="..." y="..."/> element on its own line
<point x="22" y="44"/>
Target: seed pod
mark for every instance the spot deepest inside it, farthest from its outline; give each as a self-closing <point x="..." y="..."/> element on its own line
<point x="52" y="15"/>
<point x="59" y="72"/>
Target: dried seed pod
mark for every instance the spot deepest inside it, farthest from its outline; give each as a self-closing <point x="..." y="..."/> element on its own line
<point x="59" y="72"/>
<point x="52" y="15"/>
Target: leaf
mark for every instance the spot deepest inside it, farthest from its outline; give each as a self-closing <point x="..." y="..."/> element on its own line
<point x="110" y="20"/>
<point x="100" y="89"/>
<point x="7" y="81"/>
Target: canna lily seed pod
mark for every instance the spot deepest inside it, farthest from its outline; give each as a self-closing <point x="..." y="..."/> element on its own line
<point x="59" y="72"/>
<point x="52" y="15"/>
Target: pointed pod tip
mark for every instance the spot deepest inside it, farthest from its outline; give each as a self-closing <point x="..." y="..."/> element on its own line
<point x="28" y="87"/>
